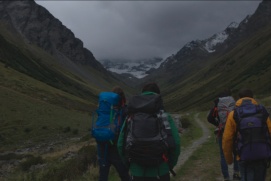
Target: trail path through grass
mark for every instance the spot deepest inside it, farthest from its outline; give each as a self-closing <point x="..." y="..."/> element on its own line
<point x="188" y="151"/>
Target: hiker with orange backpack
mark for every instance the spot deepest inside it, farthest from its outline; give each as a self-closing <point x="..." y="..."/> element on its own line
<point x="149" y="142"/>
<point x="111" y="113"/>
<point x="218" y="116"/>
<point x="248" y="131"/>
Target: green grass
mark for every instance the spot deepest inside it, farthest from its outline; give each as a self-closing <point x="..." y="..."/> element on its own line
<point x="27" y="120"/>
<point x="70" y="169"/>
<point x="192" y="130"/>
<point x="203" y="164"/>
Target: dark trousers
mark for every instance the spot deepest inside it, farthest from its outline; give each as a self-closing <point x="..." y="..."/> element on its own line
<point x="223" y="163"/>
<point x="162" y="178"/>
<point x="253" y="171"/>
<point x="108" y="155"/>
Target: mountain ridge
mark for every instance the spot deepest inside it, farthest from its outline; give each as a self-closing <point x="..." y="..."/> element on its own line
<point x="175" y="70"/>
<point x="58" y="41"/>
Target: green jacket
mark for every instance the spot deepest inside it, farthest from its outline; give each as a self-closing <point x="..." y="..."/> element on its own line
<point x="163" y="168"/>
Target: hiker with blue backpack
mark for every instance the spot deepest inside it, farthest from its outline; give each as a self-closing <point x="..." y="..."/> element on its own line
<point x="149" y="142"/>
<point x="247" y="130"/>
<point x="223" y="105"/>
<point x="106" y="125"/>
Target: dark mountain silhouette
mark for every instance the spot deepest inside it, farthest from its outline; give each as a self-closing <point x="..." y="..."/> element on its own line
<point x="34" y="42"/>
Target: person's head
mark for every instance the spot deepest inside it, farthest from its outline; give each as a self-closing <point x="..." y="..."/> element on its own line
<point x="224" y="93"/>
<point x="245" y="93"/>
<point x="120" y="92"/>
<point x="151" y="87"/>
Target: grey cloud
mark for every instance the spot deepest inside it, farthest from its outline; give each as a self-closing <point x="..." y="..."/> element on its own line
<point x="144" y="29"/>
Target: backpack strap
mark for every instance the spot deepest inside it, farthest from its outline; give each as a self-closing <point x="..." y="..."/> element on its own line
<point x="148" y="93"/>
<point x="125" y="131"/>
<point x="111" y="114"/>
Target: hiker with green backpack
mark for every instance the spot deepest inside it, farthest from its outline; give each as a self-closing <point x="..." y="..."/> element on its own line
<point x="149" y="142"/>
<point x="106" y="124"/>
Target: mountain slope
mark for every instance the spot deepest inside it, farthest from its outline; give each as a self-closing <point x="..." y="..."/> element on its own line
<point x="48" y="81"/>
<point x="34" y="29"/>
<point x="193" y="76"/>
<point x="28" y="20"/>
<point x="247" y="65"/>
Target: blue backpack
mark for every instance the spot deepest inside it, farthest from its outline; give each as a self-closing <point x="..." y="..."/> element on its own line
<point x="253" y="138"/>
<point x="106" y="120"/>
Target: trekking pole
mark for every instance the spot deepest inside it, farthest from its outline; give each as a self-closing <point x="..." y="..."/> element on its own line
<point x="172" y="172"/>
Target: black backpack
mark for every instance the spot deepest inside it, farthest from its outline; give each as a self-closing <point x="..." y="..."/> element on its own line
<point x="145" y="137"/>
<point x="212" y="116"/>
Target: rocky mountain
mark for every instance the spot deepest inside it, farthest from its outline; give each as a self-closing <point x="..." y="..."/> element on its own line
<point x="31" y="26"/>
<point x="197" y="54"/>
<point x="238" y="57"/>
<point x="137" y="69"/>
<point x="35" y="44"/>
<point x="38" y="26"/>
<point x="194" y="55"/>
<point x="143" y="68"/>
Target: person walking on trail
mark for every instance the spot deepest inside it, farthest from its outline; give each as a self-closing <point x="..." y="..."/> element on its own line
<point x="218" y="116"/>
<point x="248" y="127"/>
<point x="149" y="142"/>
<point x="107" y="150"/>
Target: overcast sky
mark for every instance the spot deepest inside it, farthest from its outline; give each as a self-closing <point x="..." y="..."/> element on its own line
<point x="145" y="29"/>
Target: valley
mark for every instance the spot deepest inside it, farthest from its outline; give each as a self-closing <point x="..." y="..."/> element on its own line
<point x="49" y="86"/>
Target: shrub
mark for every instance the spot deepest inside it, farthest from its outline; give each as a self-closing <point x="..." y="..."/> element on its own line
<point x="27" y="130"/>
<point x="75" y="131"/>
<point x="31" y="161"/>
<point x="86" y="137"/>
<point x="185" y="122"/>
<point x="89" y="153"/>
<point x="67" y="129"/>
<point x="72" y="168"/>
<point x="10" y="156"/>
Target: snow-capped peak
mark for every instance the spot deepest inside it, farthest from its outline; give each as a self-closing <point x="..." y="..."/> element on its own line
<point x="233" y="25"/>
<point x="136" y="68"/>
<point x="219" y="38"/>
<point x="214" y="40"/>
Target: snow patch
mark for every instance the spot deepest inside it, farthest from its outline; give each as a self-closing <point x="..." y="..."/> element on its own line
<point x="233" y="25"/>
<point x="137" y="69"/>
<point x="216" y="39"/>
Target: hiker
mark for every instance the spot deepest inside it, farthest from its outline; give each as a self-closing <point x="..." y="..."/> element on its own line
<point x="150" y="158"/>
<point x="212" y="116"/>
<point x="107" y="150"/>
<point x="217" y="116"/>
<point x="248" y="127"/>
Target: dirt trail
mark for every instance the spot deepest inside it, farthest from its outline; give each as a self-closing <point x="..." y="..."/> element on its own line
<point x="188" y="151"/>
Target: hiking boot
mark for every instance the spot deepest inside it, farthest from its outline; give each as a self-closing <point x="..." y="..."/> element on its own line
<point x="236" y="176"/>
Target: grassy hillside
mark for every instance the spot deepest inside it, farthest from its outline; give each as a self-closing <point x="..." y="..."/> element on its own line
<point x="248" y="65"/>
<point x="32" y="111"/>
<point x="41" y="98"/>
